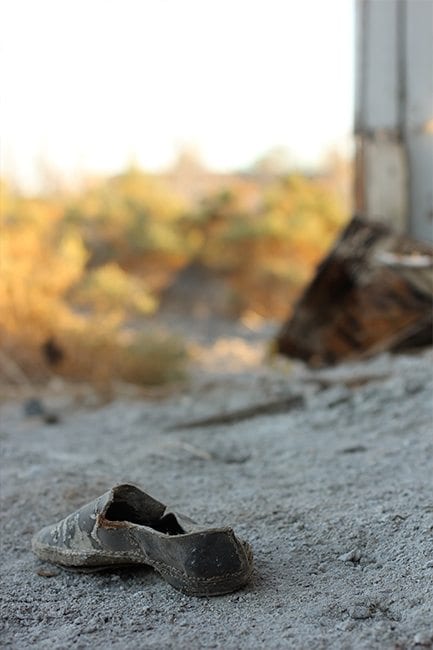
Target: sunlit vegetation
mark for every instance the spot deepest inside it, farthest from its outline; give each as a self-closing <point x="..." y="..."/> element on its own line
<point x="87" y="269"/>
<point x="269" y="253"/>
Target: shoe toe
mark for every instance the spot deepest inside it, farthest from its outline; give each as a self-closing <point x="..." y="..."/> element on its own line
<point x="214" y="563"/>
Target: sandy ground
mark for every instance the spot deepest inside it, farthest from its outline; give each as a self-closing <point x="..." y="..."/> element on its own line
<point x="335" y="494"/>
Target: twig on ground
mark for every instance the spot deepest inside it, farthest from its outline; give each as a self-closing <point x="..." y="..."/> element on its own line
<point x="274" y="407"/>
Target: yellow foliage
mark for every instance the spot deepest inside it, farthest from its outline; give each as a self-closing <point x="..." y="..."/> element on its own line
<point x="43" y="271"/>
<point x="35" y="274"/>
<point x="109" y="288"/>
<point x="81" y="267"/>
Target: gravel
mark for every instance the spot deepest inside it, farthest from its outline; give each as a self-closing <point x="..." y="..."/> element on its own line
<point x="335" y="496"/>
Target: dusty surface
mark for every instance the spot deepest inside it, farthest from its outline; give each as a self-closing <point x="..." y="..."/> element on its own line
<point x="335" y="496"/>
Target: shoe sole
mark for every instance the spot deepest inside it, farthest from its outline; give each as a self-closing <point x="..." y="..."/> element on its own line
<point x="192" y="586"/>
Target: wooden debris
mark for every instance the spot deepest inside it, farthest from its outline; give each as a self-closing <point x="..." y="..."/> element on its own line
<point x="372" y="293"/>
<point x="281" y="405"/>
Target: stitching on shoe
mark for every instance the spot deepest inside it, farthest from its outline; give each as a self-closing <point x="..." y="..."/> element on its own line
<point x="134" y="543"/>
<point x="236" y="546"/>
<point x="161" y="567"/>
<point x="69" y="552"/>
<point x="175" y="573"/>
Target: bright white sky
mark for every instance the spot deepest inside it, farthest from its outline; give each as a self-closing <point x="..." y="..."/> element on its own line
<point x="89" y="85"/>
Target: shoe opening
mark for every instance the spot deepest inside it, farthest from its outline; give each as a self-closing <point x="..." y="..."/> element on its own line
<point x="144" y="511"/>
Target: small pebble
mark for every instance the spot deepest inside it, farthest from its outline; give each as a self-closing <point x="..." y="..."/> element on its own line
<point x="423" y="639"/>
<point x="51" y="418"/>
<point x="33" y="407"/>
<point x="47" y="573"/>
<point x="354" y="449"/>
<point x="351" y="556"/>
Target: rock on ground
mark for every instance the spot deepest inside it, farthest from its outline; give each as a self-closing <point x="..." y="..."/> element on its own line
<point x="335" y="496"/>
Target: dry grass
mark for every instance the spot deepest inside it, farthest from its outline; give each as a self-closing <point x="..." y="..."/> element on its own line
<point x="78" y="269"/>
<point x="97" y="352"/>
<point x="42" y="266"/>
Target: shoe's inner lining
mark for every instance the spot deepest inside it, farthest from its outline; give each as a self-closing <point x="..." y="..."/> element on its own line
<point x="123" y="511"/>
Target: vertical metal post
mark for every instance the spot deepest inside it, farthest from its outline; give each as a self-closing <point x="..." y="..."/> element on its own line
<point x="394" y="114"/>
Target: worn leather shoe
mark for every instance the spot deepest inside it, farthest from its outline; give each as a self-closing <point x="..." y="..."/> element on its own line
<point x="126" y="526"/>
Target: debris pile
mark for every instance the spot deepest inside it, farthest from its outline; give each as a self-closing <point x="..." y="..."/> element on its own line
<point x="372" y="293"/>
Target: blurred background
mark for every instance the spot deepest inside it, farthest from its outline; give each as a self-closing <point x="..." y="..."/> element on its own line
<point x="169" y="169"/>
